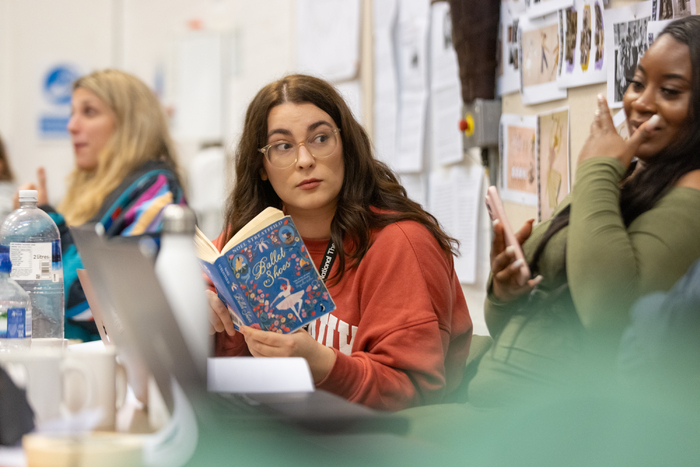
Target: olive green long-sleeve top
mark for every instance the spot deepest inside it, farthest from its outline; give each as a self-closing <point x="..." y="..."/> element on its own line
<point x="554" y="339"/>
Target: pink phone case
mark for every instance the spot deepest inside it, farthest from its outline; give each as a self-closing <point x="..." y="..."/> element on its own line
<point x="496" y="211"/>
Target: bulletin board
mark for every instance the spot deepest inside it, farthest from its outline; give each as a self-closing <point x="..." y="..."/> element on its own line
<point x="582" y="105"/>
<point x="566" y="120"/>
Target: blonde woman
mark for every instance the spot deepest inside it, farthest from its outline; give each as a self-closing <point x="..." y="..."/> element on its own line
<point x="126" y="172"/>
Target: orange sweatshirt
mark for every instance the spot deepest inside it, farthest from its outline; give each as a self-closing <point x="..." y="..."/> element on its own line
<point x="401" y="329"/>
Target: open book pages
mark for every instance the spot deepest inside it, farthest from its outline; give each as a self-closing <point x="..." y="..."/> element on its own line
<point x="208" y="252"/>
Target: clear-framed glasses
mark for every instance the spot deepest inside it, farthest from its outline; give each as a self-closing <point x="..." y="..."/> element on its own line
<point x="321" y="144"/>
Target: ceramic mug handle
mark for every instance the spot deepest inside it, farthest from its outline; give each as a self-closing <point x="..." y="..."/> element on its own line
<point x="71" y="366"/>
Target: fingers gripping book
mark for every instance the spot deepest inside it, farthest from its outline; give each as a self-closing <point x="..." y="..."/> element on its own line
<point x="265" y="275"/>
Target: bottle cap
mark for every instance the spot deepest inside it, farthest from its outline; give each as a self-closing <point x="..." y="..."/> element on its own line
<point x="178" y="220"/>
<point x="5" y="262"/>
<point x="28" y="195"/>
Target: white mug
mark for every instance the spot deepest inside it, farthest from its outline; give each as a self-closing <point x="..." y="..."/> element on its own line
<point x="41" y="372"/>
<point x="106" y="379"/>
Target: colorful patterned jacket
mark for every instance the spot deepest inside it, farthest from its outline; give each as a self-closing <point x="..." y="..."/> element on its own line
<point x="134" y="208"/>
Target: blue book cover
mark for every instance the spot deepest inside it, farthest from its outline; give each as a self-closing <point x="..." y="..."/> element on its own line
<point x="269" y="281"/>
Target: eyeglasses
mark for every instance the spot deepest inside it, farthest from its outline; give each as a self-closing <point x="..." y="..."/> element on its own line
<point x="283" y="154"/>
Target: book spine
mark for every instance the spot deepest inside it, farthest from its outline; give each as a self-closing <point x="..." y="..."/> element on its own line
<point x="245" y="312"/>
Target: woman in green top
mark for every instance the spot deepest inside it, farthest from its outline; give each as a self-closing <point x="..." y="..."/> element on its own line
<point x="626" y="230"/>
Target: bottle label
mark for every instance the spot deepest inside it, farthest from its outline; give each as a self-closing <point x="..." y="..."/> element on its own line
<point x="36" y="261"/>
<point x="13" y="324"/>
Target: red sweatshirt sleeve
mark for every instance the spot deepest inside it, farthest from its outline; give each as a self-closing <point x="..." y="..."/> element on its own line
<point x="413" y="336"/>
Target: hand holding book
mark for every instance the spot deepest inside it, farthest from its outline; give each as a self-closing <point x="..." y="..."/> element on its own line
<point x="265" y="275"/>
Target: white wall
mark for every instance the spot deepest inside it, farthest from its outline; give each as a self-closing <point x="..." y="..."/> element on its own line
<point x="37" y="34"/>
<point x="138" y="36"/>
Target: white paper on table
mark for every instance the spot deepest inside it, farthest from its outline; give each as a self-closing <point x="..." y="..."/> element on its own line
<point x="413" y="25"/>
<point x="351" y="92"/>
<point x="415" y="187"/>
<point x="539" y="8"/>
<point x="672" y="9"/>
<point x="258" y="375"/>
<point x="583" y="58"/>
<point x="626" y="41"/>
<point x="329" y="38"/>
<point x="386" y="88"/>
<point x="518" y="149"/>
<point x="508" y="72"/>
<point x="454" y="197"/>
<point x="539" y="59"/>
<point x="446" y="94"/>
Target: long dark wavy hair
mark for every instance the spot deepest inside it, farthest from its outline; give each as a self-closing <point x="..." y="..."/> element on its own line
<point x="660" y="172"/>
<point x="368" y="182"/>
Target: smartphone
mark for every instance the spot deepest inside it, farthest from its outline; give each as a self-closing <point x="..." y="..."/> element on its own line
<point x="496" y="211"/>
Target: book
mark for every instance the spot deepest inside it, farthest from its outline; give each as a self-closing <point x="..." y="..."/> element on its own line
<point x="265" y="275"/>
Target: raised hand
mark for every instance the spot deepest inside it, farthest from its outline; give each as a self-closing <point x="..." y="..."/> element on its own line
<point x="604" y="141"/>
<point x="505" y="268"/>
<point x="40" y="187"/>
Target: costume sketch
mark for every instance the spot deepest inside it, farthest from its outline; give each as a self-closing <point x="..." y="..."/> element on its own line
<point x="571" y="26"/>
<point x="553" y="183"/>
<point x="586" y="38"/>
<point x="599" y="37"/>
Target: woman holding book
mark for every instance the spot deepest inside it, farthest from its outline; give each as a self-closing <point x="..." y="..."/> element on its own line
<point x="400" y="334"/>
<point x="625" y="231"/>
<point x="126" y="172"/>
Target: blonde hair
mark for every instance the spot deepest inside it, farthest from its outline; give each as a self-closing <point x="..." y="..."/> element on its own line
<point x="140" y="135"/>
<point x="6" y="174"/>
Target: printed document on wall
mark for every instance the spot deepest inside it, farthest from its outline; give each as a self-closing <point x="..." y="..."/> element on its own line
<point x="654" y="28"/>
<point x="582" y="41"/>
<point x="454" y="198"/>
<point x="626" y="41"/>
<point x="554" y="166"/>
<point x="413" y="25"/>
<point x="329" y="38"/>
<point x="518" y="148"/>
<point x="538" y="8"/>
<point x="508" y="66"/>
<point x="351" y="92"/>
<point x="386" y="87"/>
<point x="672" y="9"/>
<point x="539" y="59"/>
<point x="446" y="93"/>
<point x="415" y="187"/>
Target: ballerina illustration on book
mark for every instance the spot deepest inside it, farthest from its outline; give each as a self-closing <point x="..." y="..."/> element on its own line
<point x="290" y="301"/>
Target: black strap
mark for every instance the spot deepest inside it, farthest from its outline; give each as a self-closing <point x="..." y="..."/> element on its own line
<point x="326" y="265"/>
<point x="328" y="260"/>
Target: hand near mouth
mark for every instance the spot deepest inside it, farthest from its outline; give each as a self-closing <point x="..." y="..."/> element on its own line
<point x="603" y="140"/>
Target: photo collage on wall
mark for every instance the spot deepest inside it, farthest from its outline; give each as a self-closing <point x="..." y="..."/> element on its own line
<point x="626" y="40"/>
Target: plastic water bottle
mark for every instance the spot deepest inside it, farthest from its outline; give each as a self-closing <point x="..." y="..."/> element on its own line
<point x="35" y="251"/>
<point x="181" y="278"/>
<point x="15" y="309"/>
